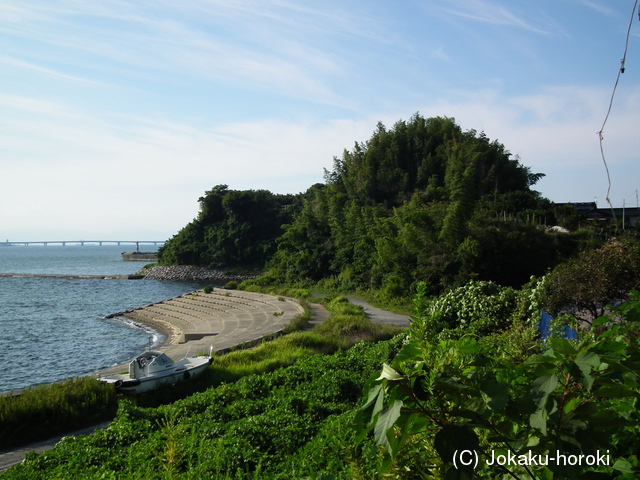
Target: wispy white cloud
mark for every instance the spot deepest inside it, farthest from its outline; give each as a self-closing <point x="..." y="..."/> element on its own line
<point x="13" y="62"/>
<point x="554" y="124"/>
<point x="279" y="47"/>
<point x="81" y="163"/>
<point x="599" y="6"/>
<point x="65" y="155"/>
<point x="495" y="14"/>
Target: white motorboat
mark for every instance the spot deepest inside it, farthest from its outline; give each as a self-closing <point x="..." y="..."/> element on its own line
<point x="153" y="369"/>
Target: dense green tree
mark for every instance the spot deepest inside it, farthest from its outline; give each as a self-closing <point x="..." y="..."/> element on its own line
<point x="411" y="204"/>
<point x="305" y="249"/>
<point x="233" y="228"/>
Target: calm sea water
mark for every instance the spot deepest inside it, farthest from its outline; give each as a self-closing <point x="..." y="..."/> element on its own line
<point x="54" y="328"/>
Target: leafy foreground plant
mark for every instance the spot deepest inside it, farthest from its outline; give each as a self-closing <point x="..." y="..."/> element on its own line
<point x="446" y="410"/>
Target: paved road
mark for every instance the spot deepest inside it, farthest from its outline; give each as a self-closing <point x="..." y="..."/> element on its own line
<point x="376" y="314"/>
<point x="381" y="316"/>
<point x="13" y="457"/>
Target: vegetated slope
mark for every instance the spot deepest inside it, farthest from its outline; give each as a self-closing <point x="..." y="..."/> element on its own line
<point x="422" y="201"/>
<point x="554" y="407"/>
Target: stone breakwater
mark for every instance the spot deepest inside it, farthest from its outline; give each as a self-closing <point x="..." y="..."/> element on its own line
<point x="190" y="274"/>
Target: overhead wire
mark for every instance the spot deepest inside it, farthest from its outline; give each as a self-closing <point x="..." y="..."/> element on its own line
<point x="613" y="93"/>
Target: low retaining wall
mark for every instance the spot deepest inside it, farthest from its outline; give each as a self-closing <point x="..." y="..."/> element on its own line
<point x="193" y="274"/>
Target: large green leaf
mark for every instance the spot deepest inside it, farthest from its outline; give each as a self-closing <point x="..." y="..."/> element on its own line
<point x="563" y="346"/>
<point x="538" y="359"/>
<point x="542" y="387"/>
<point x="409" y="351"/>
<point x="623" y="465"/>
<point x="389" y="373"/>
<point x="408" y="425"/>
<point x="375" y="399"/>
<point x="582" y="367"/>
<point x="468" y="345"/>
<point x="613" y="391"/>
<point x="588" y="358"/>
<point x="386" y="420"/>
<point x="538" y="420"/>
<point x="496" y="394"/>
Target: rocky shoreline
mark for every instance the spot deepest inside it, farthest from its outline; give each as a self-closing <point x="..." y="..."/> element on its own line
<point x="181" y="273"/>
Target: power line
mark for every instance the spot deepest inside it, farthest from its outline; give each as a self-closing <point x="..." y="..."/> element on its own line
<point x="630" y="197"/>
<point x="613" y="93"/>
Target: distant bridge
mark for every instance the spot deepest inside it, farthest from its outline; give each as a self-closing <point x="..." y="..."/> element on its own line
<point x="83" y="242"/>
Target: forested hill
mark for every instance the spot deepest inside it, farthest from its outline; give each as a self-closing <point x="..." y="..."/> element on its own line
<point x="233" y="228"/>
<point x="422" y="201"/>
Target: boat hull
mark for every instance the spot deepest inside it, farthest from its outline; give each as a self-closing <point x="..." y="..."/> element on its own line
<point x="182" y="370"/>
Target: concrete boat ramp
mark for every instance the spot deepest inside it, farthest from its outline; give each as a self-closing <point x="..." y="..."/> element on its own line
<point x="221" y="319"/>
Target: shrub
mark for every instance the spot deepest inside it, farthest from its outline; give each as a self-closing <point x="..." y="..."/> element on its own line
<point x="586" y="285"/>
<point x="478" y="308"/>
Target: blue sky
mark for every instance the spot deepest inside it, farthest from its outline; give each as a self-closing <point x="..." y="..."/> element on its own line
<point x="117" y="115"/>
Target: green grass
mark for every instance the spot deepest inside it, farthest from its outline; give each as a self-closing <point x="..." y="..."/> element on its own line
<point x="349" y="325"/>
<point x="49" y="410"/>
<point x="278" y="353"/>
<point x="299" y="322"/>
